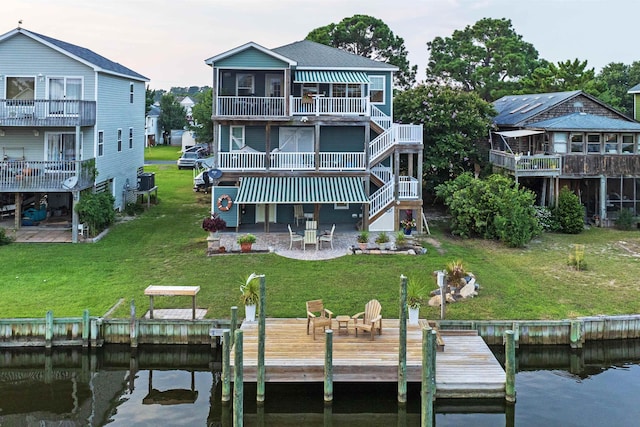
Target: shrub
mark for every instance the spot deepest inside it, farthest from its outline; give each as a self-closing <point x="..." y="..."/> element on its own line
<point x="625" y="220"/>
<point x="382" y="237"/>
<point x="4" y="239"/>
<point x="546" y="219"/>
<point x="96" y="209"/>
<point x="569" y="213"/>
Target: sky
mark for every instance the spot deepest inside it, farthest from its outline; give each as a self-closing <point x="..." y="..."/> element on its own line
<point x="168" y="40"/>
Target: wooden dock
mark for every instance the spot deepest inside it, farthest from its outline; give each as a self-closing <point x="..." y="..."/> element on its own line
<point x="465" y="368"/>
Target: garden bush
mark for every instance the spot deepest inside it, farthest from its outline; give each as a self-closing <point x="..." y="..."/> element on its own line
<point x="625" y="220"/>
<point x="569" y="213"/>
<point x="4" y="239"/>
<point x="96" y="209"/>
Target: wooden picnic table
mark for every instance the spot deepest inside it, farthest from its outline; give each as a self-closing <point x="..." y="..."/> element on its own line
<point x="154" y="290"/>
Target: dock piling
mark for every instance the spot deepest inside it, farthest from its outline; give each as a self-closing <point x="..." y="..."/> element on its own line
<point x="226" y="366"/>
<point x="328" y="366"/>
<point x="510" y="367"/>
<point x="402" y="345"/>
<point x="261" y="338"/>
<point x="238" y="385"/>
<point x="234" y="323"/>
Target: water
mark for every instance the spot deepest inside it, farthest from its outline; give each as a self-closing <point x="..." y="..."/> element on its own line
<point x="181" y="387"/>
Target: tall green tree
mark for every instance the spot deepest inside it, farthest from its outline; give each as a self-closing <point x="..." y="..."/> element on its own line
<point x="201" y="113"/>
<point x="488" y="58"/>
<point x="455" y="128"/>
<point x="172" y="114"/>
<point x="565" y="76"/>
<point x="369" y="37"/>
<point x="149" y="95"/>
<point x="613" y="82"/>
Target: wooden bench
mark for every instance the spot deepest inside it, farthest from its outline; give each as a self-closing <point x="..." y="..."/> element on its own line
<point x="171" y="291"/>
<point x="432" y="325"/>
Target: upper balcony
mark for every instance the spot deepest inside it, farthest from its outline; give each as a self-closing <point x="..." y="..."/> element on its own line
<point x="263" y="106"/>
<point x="47" y="113"/>
<point x="292" y="161"/>
<point x="523" y="165"/>
<point x="41" y="176"/>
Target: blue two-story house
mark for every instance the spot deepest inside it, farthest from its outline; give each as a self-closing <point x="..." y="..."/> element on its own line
<point x="70" y="121"/>
<point x="309" y="128"/>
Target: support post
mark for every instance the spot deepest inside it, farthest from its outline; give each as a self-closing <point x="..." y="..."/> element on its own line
<point x="234" y="323"/>
<point x="133" y="325"/>
<point x="428" y="372"/>
<point x="238" y="386"/>
<point x="576" y="334"/>
<point x="85" y="328"/>
<point x="402" y="344"/>
<point x="261" y="338"/>
<point x="328" y="366"/>
<point x="226" y="366"/>
<point x="443" y="296"/>
<point x="48" y="331"/>
<point x="510" y="367"/>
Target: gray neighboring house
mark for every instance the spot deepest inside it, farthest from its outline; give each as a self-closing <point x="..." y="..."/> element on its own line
<point x="66" y="112"/>
<point x="551" y="140"/>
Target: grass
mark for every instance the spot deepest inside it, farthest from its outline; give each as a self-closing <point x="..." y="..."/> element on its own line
<point x="166" y="246"/>
<point x="162" y="152"/>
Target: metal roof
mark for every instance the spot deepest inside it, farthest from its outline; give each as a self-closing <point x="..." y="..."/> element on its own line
<point x="586" y="122"/>
<point x="331" y="77"/>
<point x="516" y="110"/>
<point x="299" y="189"/>
<point x="518" y="133"/>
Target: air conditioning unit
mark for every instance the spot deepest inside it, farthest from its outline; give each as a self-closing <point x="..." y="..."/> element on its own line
<point x="146" y="181"/>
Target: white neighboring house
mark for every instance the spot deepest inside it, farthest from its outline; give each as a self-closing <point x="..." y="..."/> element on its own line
<point x="151" y="128"/>
<point x="71" y="121"/>
<point x="187" y="103"/>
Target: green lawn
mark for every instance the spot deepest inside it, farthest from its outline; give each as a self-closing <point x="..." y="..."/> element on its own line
<point x="166" y="246"/>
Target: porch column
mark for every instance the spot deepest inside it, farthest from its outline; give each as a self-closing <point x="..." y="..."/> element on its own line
<point x="18" y="212"/>
<point x="396" y="174"/>
<point x="603" y="198"/>
<point x="316" y="148"/>
<point x="74" y="216"/>
<point x="267" y="146"/>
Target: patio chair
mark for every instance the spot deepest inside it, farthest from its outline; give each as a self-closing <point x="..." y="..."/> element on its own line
<point x="298" y="213"/>
<point x="311" y="225"/>
<point x="83" y="230"/>
<point x="317" y="316"/>
<point x="370" y="319"/>
<point x="294" y="238"/>
<point x="327" y="237"/>
<point x="310" y="238"/>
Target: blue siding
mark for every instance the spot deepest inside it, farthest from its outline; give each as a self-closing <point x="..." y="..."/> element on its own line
<point x="388" y="91"/>
<point x="342" y="139"/>
<point x="230" y="216"/>
<point x="251" y="58"/>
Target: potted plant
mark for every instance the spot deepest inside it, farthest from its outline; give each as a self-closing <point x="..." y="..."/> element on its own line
<point x="455" y="274"/>
<point x="250" y="294"/>
<point x="382" y="239"/>
<point x="363" y="239"/>
<point x="246" y="241"/>
<point x="213" y="224"/>
<point x="401" y="239"/>
<point x="407" y="225"/>
<point x="415" y="298"/>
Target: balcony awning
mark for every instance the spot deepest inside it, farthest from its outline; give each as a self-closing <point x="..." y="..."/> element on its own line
<point x="298" y="189"/>
<point x="518" y="133"/>
<point x="331" y="77"/>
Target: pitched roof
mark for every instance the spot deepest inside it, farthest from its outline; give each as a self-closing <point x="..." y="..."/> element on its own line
<point x="635" y="89"/>
<point x="312" y="55"/>
<point x="98" y="62"/>
<point x="586" y="122"/>
<point x="515" y="110"/>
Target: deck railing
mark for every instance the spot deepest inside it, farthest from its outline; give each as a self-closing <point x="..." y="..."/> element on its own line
<point x="241" y="161"/>
<point x="409" y="188"/>
<point x="251" y="106"/>
<point x="28" y="175"/>
<point x="342" y="161"/>
<point x="381" y="199"/>
<point x="292" y="161"/>
<point x="320" y="105"/>
<point x="535" y="165"/>
<point x="47" y="112"/>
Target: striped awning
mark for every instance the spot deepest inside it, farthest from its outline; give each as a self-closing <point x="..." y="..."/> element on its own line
<point x="298" y="189"/>
<point x="331" y="77"/>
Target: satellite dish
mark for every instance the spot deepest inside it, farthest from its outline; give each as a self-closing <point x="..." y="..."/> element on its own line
<point x="214" y="173"/>
<point x="70" y="182"/>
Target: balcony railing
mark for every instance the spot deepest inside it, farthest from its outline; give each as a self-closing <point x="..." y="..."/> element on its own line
<point x="333" y="161"/>
<point x="409" y="188"/>
<point x="342" y="161"/>
<point x="536" y="165"/>
<point x="321" y="105"/>
<point x="251" y="106"/>
<point x="27" y="175"/>
<point x="47" y="113"/>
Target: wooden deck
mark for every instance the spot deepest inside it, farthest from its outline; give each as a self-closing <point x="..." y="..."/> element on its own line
<point x="466" y="368"/>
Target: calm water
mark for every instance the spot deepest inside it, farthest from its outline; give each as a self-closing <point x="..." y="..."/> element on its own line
<point x="168" y="387"/>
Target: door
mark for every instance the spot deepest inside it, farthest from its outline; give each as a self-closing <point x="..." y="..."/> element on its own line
<point x="260" y="213"/>
<point x="61" y="89"/>
<point x="61" y="147"/>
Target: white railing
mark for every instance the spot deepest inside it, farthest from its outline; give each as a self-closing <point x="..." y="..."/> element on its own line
<point x="241" y="161"/>
<point x="320" y="105"/>
<point x="536" y="165"/>
<point x="381" y="199"/>
<point x="342" y="161"/>
<point x="380" y="144"/>
<point x="383" y="173"/>
<point x="25" y="175"/>
<point x="407" y="133"/>
<point x="251" y="106"/>
<point x="380" y="118"/>
<point x="292" y="161"/>
<point x="408" y="188"/>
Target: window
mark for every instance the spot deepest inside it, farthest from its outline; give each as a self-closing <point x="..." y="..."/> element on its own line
<point x="627" y="144"/>
<point x="340" y="206"/>
<point x="577" y="143"/>
<point x="344" y="90"/>
<point x="64" y="88"/>
<point x="61" y="147"/>
<point x="119" y="139"/>
<point x="22" y="88"/>
<point x="130" y="137"/>
<point x="237" y="138"/>
<point x="376" y="89"/>
<point x="310" y="88"/>
<point x="560" y="142"/>
<point x="593" y="143"/>
<point x="245" y="84"/>
<point x="130" y="93"/>
<point x="100" y="143"/>
<point x="296" y="140"/>
<point x="611" y="143"/>
<point x="274" y="85"/>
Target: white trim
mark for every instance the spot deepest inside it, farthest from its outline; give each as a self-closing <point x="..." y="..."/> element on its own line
<point x="211" y="61"/>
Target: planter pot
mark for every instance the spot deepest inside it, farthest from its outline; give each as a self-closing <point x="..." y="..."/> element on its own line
<point x="250" y="313"/>
<point x="245" y="247"/>
<point x="213" y="241"/>
<point x="363" y="246"/>
<point x="407" y="231"/>
<point x="414" y="313"/>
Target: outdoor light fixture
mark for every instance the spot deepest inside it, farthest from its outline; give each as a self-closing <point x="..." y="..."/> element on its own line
<point x="40" y="77"/>
<point x="1" y="132"/>
<point x="36" y="132"/>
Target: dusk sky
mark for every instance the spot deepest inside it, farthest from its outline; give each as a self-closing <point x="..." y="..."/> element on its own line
<point x="168" y="40"/>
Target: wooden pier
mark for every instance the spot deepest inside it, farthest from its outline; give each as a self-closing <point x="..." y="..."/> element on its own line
<point x="465" y="368"/>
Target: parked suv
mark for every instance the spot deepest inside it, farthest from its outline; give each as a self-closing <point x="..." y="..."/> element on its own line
<point x="190" y="159"/>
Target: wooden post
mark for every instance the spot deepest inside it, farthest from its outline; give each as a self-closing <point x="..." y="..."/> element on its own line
<point x="576" y="334"/>
<point x="226" y="366"/>
<point x="327" y="416"/>
<point x="238" y="386"/>
<point x="443" y="296"/>
<point x="234" y="322"/>
<point x="510" y="367"/>
<point x="328" y="366"/>
<point x="261" y="338"/>
<point x="85" y="328"/>
<point x="133" y="326"/>
<point x="402" y="345"/>
<point x="48" y="330"/>
<point x="427" y="393"/>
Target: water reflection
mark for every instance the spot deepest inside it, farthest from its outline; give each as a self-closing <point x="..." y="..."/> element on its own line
<point x="181" y="387"/>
